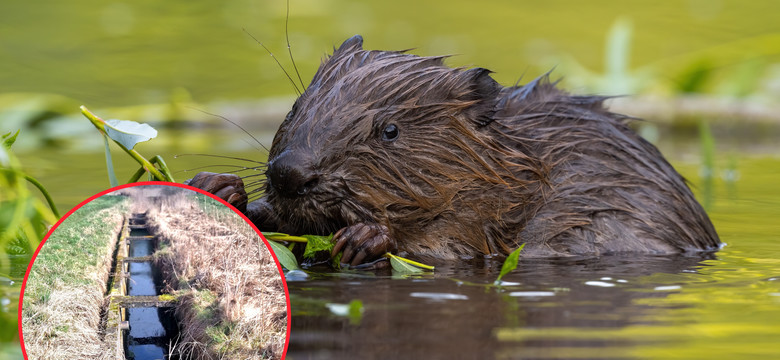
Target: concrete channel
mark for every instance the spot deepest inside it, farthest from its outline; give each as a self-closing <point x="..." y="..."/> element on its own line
<point x="140" y="320"/>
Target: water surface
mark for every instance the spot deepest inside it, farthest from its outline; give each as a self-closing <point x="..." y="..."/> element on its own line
<point x="141" y="247"/>
<point x="141" y="279"/>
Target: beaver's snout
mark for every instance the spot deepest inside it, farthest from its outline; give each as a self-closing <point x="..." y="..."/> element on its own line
<point x="291" y="175"/>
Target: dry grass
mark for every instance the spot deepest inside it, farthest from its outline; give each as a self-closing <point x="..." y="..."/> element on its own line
<point x="232" y="301"/>
<point x="64" y="294"/>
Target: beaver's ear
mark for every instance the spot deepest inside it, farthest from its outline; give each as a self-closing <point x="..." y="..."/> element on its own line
<point x="485" y="91"/>
<point x="352" y="44"/>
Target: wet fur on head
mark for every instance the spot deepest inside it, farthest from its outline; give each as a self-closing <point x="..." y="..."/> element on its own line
<point x="477" y="168"/>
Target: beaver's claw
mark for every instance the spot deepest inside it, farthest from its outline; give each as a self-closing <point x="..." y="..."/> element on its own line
<point x="363" y="244"/>
<point x="228" y="187"/>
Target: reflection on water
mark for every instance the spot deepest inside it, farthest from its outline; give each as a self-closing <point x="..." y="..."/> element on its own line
<point x="148" y="351"/>
<point x="145" y="322"/>
<point x="141" y="280"/>
<point x="445" y="316"/>
<point x="151" y="330"/>
<point x="139" y="232"/>
<point x="586" y="308"/>
<point x="140" y="248"/>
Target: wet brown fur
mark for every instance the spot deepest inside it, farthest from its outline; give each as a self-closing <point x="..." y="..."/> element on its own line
<point x="477" y="168"/>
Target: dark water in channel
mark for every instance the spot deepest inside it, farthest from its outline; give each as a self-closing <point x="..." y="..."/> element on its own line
<point x="151" y="328"/>
<point x="141" y="279"/>
<point x="146" y="323"/>
<point x="139" y="232"/>
<point x="141" y="247"/>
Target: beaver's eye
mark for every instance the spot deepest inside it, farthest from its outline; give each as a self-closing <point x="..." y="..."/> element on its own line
<point x="390" y="133"/>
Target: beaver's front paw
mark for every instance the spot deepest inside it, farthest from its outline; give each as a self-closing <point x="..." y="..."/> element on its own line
<point x="364" y="244"/>
<point x="228" y="187"/>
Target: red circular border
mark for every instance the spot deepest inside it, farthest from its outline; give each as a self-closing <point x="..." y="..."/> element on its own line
<point x="93" y="197"/>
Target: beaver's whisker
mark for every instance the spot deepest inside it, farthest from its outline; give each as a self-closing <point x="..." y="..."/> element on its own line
<point x="236" y="125"/>
<point x="257" y="174"/>
<point x="245" y="169"/>
<point x="256" y="188"/>
<point x="256" y="191"/>
<point x="289" y="49"/>
<point x="255" y="185"/>
<point x="222" y="157"/>
<point x="255" y="179"/>
<point x="277" y="62"/>
<point x="253" y="182"/>
<point x="205" y="167"/>
<point x="255" y="195"/>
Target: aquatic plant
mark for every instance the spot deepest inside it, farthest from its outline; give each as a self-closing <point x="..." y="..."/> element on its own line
<point x="126" y="134"/>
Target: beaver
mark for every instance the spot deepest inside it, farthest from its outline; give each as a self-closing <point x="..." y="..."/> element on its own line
<point x="398" y="152"/>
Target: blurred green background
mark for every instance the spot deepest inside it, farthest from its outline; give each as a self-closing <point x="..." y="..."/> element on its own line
<point x="129" y="53"/>
<point x="705" y="73"/>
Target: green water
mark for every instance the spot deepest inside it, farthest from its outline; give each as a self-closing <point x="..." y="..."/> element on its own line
<point x="127" y="53"/>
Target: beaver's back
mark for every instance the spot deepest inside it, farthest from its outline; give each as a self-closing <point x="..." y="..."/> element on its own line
<point x="604" y="188"/>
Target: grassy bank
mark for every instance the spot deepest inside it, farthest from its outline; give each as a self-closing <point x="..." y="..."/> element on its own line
<point x="231" y="297"/>
<point x="64" y="294"/>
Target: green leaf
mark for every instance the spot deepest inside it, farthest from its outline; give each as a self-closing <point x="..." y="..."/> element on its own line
<point x="285" y="256"/>
<point x="9" y="139"/>
<point x="353" y="310"/>
<point x="129" y="133"/>
<point x="510" y="264"/>
<point x="315" y="244"/>
<point x="409" y="262"/>
<point x="110" y="165"/>
<point x="402" y="266"/>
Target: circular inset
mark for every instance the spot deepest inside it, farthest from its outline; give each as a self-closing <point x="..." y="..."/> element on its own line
<point x="154" y="270"/>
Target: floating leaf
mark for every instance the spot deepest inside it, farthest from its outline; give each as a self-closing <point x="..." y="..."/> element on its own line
<point x="407" y="262"/>
<point x="510" y="264"/>
<point x="315" y="244"/>
<point x="129" y="133"/>
<point x="285" y="256"/>
<point x="401" y="266"/>
<point x="353" y="310"/>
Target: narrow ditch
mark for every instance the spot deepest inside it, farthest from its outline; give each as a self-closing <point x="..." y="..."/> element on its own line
<point x="146" y="321"/>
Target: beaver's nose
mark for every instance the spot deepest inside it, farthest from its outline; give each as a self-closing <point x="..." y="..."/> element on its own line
<point x="291" y="175"/>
